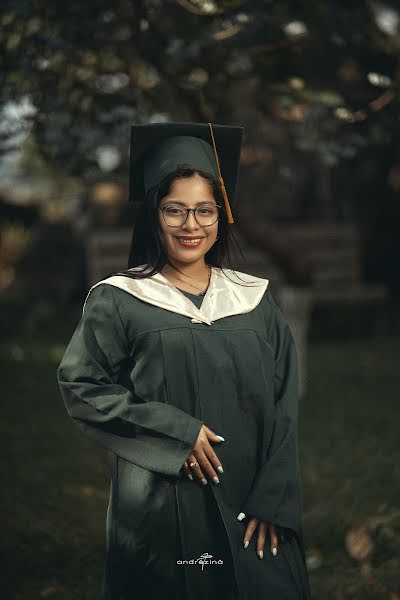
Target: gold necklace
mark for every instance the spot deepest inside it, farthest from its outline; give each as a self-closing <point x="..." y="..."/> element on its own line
<point x="191" y="285"/>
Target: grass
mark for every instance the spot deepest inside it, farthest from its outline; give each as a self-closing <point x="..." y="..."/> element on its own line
<point x="55" y="482"/>
<point x="351" y="463"/>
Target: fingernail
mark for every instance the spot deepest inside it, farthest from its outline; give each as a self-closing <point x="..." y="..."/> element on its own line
<point x="274" y="551"/>
<point x="190" y="476"/>
<point x="221" y="438"/>
<point x="204" y="481"/>
<point x="220" y="469"/>
<point x="246" y="544"/>
<point x="261" y="554"/>
<point x="241" y="516"/>
<point x="215" y="479"/>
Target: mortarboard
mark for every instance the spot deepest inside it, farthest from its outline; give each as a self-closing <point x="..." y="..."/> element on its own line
<point x="158" y="148"/>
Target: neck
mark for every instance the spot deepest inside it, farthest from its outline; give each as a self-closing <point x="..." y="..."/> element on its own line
<point x="196" y="270"/>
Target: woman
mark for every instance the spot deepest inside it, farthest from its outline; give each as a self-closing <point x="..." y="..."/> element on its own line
<point x="186" y="372"/>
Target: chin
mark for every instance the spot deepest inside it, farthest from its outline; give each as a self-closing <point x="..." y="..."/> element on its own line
<point x="187" y="259"/>
<point x="187" y="256"/>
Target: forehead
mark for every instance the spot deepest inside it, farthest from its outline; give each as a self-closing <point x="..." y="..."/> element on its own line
<point x="195" y="188"/>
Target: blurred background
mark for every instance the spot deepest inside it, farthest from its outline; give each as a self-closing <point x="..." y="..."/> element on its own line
<point x="316" y="87"/>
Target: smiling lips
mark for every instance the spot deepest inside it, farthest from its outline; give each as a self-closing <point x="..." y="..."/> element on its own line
<point x="189" y="242"/>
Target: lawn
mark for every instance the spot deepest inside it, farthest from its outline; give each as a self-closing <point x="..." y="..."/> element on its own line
<point x="55" y="481"/>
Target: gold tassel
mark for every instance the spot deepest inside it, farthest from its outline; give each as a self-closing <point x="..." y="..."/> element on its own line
<point x="227" y="207"/>
<point x="221" y="181"/>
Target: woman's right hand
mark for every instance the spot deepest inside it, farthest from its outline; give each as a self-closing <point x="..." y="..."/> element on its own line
<point x="204" y="457"/>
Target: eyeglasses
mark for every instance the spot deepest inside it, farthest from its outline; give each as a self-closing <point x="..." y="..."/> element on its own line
<point x="176" y="215"/>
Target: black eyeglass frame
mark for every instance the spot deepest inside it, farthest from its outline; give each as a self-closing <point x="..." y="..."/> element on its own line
<point x="162" y="208"/>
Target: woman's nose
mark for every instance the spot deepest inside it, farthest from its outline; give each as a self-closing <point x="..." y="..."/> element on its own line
<point x="191" y="221"/>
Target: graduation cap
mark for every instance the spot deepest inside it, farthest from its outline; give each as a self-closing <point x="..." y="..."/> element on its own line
<point x="159" y="148"/>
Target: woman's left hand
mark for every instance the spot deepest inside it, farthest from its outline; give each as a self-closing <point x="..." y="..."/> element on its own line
<point x="263" y="527"/>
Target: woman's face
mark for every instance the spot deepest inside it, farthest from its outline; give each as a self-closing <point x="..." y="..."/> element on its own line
<point x="190" y="192"/>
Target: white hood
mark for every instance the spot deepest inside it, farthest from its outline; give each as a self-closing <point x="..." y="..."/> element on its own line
<point x="223" y="298"/>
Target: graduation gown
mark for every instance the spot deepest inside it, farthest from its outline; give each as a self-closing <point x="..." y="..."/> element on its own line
<point x="144" y="370"/>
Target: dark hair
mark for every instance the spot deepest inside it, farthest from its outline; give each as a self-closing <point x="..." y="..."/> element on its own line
<point x="147" y="246"/>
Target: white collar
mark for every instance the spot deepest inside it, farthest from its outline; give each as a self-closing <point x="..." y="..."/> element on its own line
<point x="223" y="298"/>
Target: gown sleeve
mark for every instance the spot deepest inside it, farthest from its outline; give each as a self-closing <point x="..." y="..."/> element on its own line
<point x="276" y="494"/>
<point x="153" y="435"/>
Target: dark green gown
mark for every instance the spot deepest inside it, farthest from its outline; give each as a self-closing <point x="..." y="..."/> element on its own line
<point x="141" y="380"/>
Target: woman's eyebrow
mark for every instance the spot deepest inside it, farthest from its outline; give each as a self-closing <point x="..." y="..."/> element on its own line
<point x="183" y="204"/>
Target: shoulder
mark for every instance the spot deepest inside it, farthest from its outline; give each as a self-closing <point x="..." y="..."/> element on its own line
<point x="239" y="289"/>
<point x="247" y="281"/>
<point x="101" y="312"/>
<point x="258" y="289"/>
<point x="101" y="293"/>
<point x="276" y="324"/>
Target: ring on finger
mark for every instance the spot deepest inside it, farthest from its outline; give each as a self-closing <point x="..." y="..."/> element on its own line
<point x="193" y="464"/>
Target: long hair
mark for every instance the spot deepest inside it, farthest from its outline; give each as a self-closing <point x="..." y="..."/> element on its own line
<point x="147" y="245"/>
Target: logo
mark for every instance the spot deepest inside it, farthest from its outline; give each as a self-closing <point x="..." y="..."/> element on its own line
<point x="204" y="559"/>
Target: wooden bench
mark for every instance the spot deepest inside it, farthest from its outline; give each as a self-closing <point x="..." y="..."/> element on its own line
<point x="334" y="256"/>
